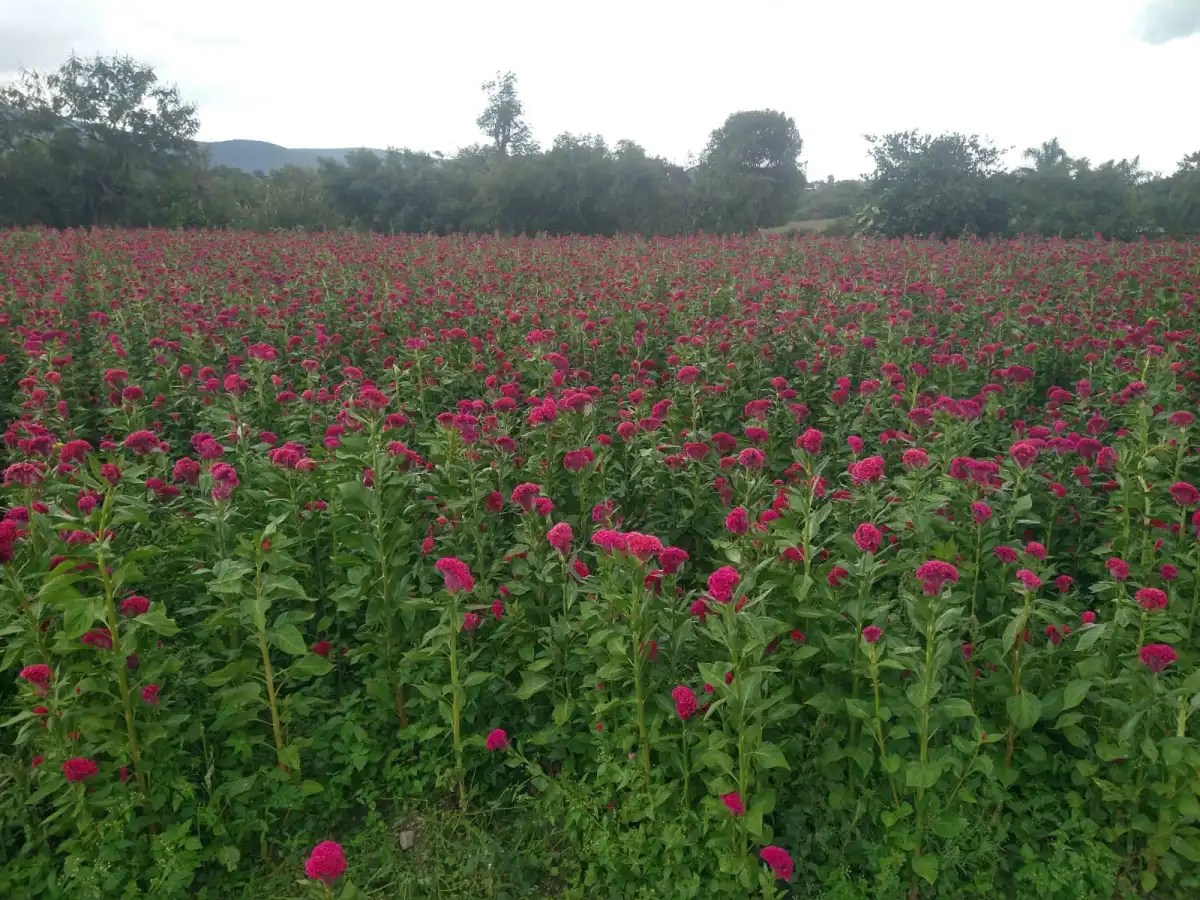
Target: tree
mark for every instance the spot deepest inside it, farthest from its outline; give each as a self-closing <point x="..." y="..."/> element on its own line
<point x="750" y="174"/>
<point x="943" y="185"/>
<point x="502" y="119"/>
<point x="105" y="130"/>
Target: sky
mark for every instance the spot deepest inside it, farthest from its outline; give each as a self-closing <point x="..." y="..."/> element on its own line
<point x="1109" y="78"/>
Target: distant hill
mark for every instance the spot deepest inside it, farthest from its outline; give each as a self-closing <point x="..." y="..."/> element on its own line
<point x="260" y="156"/>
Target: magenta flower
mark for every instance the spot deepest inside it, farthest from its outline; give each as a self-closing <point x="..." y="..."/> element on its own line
<point x="872" y="633"/>
<point x="455" y="574"/>
<point x="779" y="861"/>
<point x="560" y="537"/>
<point x="934" y="574"/>
<point x="733" y="803"/>
<point x="685" y="701"/>
<point x="497" y="739"/>
<point x="1157" y="657"/>
<point x="325" y="863"/>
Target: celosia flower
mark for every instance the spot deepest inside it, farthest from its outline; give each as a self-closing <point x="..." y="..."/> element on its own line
<point x="934" y="574"/>
<point x="779" y="861"/>
<point x="1157" y="657"/>
<point x="810" y="441"/>
<point x="471" y="621"/>
<point x="79" y="768"/>
<point x="671" y="558"/>
<point x="722" y="582"/>
<point x="455" y="573"/>
<point x="685" y="702"/>
<point x="1028" y="579"/>
<point x="134" y="605"/>
<point x="872" y="633"/>
<point x="733" y="803"/>
<point x="150" y="694"/>
<point x="325" y="863"/>
<point x="1118" y="568"/>
<point x="867" y="538"/>
<point x="560" y="537"/>
<point x="38" y="675"/>
<point x="867" y="470"/>
<point x="497" y="739"/>
<point x="643" y="547"/>
<point x="980" y="512"/>
<point x="1151" y="599"/>
<point x="914" y="458"/>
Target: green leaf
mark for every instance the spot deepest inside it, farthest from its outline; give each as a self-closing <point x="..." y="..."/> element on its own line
<point x="771" y="757"/>
<point x="857" y="709"/>
<point x="310" y="787"/>
<point x="1075" y="692"/>
<point x="926" y="866"/>
<point x="531" y="683"/>
<point x="921" y="775"/>
<point x="225" y="674"/>
<point x="79" y="616"/>
<point x="1024" y="710"/>
<point x="156" y="620"/>
<point x="475" y="678"/>
<point x="289" y="639"/>
<point x="956" y="708"/>
<point x="310" y="666"/>
<point x="227" y="577"/>
<point x="1089" y="636"/>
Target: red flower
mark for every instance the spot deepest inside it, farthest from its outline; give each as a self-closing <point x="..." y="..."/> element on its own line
<point x="497" y="739"/>
<point x="560" y="537"/>
<point x="98" y="638"/>
<point x="867" y="538"/>
<point x="471" y="621"/>
<point x="1028" y="579"/>
<point x="934" y="574"/>
<point x="326" y="863"/>
<point x="810" y="441"/>
<point x="455" y="574"/>
<point x="141" y="442"/>
<point x="642" y="546"/>
<point x="737" y="522"/>
<point x="867" y="470"/>
<point x="150" y="694"/>
<point x="722" y="582"/>
<point x="1024" y="453"/>
<point x="671" y="558"/>
<point x="1157" y="657"/>
<point x="872" y="633"/>
<point x="134" y="605"/>
<point x="685" y="702"/>
<point x="79" y="768"/>
<point x="837" y="575"/>
<point x="523" y="495"/>
<point x="1151" y="599"/>
<point x="914" y="458"/>
<point x="1087" y="617"/>
<point x="1185" y="494"/>
<point x="321" y="648"/>
<point x="733" y="803"/>
<point x="1118" y="568"/>
<point x="37" y="675"/>
<point x="779" y="861"/>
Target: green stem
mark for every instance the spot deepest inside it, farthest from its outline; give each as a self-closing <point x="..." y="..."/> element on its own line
<point x="456" y="706"/>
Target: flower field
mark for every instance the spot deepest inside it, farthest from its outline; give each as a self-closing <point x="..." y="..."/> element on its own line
<point x="694" y="567"/>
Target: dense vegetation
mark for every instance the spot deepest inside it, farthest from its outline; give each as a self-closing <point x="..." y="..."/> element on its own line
<point x="617" y="568"/>
<point x="101" y="142"/>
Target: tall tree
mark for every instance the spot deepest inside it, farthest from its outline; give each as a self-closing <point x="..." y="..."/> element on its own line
<point x="943" y="185"/>
<point x="750" y="174"/>
<point x="502" y="119"/>
<point x="106" y="129"/>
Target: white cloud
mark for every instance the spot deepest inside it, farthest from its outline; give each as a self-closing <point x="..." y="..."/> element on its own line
<point x="663" y="73"/>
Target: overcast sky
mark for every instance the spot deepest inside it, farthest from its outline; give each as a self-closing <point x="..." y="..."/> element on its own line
<point x="1109" y="78"/>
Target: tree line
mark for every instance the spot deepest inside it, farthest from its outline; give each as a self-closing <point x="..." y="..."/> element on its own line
<point x="102" y="142"/>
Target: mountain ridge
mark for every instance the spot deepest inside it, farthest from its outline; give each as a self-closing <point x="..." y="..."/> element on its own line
<point x="263" y="156"/>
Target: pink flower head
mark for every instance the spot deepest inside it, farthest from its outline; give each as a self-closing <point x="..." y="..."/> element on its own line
<point x="914" y="458"/>
<point x="1087" y="617"/>
<point x="497" y="739"/>
<point x="326" y="862"/>
<point x="751" y="458"/>
<point x="1035" y="550"/>
<point x="642" y="546"/>
<point x="523" y="495"/>
<point x="872" y="633"/>
<point x="79" y="768"/>
<point x="779" y="861"/>
<point x="1005" y="554"/>
<point x="722" y="582"/>
<point x="1063" y="583"/>
<point x="456" y="574"/>
<point x="610" y="541"/>
<point x="38" y="675"/>
<point x="471" y="621"/>
<point x="980" y="512"/>
<point x="134" y="605"/>
<point x="810" y="441"/>
<point x="671" y="558"/>
<point x="141" y="442"/>
<point x="1117" y="568"/>
<point x="1185" y="494"/>
<point x="685" y="701"/>
<point x="867" y="538"/>
<point x="1028" y="579"/>
<point x="733" y="803"/>
<point x="560" y="537"/>
<point x="186" y="470"/>
<point x="934" y="574"/>
<point x="738" y="521"/>
<point x="1157" y="657"/>
<point x="1024" y="453"/>
<point x="150" y="694"/>
<point x="1151" y="599"/>
<point x="867" y="470"/>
